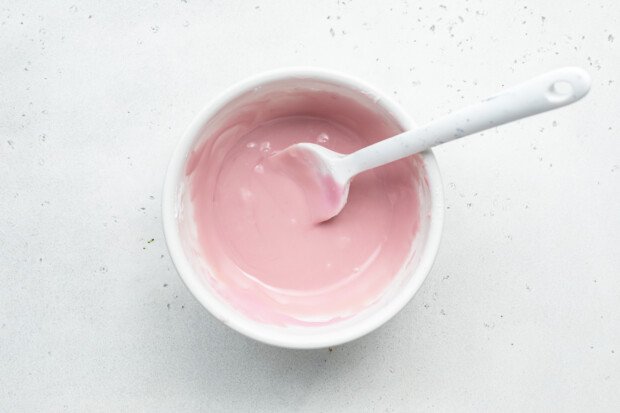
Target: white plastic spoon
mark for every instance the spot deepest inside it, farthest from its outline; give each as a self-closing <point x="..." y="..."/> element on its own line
<point x="325" y="175"/>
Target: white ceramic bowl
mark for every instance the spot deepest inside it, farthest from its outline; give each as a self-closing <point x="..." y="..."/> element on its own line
<point x="406" y="283"/>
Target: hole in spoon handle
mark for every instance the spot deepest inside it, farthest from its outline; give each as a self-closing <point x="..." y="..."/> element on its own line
<point x="566" y="85"/>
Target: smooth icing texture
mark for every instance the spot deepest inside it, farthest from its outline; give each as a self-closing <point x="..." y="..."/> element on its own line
<point x="265" y="255"/>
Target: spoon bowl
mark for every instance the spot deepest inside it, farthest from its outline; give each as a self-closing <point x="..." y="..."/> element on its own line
<point x="315" y="169"/>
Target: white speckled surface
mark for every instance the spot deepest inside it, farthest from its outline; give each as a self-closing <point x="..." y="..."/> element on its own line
<point x="522" y="309"/>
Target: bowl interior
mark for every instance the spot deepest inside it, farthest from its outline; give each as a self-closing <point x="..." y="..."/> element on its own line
<point x="240" y="110"/>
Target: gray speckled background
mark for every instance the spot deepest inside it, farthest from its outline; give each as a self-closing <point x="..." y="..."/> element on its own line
<point x="520" y="313"/>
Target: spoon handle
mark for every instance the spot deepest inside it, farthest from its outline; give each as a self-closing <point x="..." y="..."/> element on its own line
<point x="549" y="91"/>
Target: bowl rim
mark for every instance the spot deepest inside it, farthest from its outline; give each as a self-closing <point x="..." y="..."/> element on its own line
<point x="224" y="311"/>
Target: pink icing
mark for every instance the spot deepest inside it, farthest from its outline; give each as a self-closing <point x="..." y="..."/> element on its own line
<point x="264" y="253"/>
